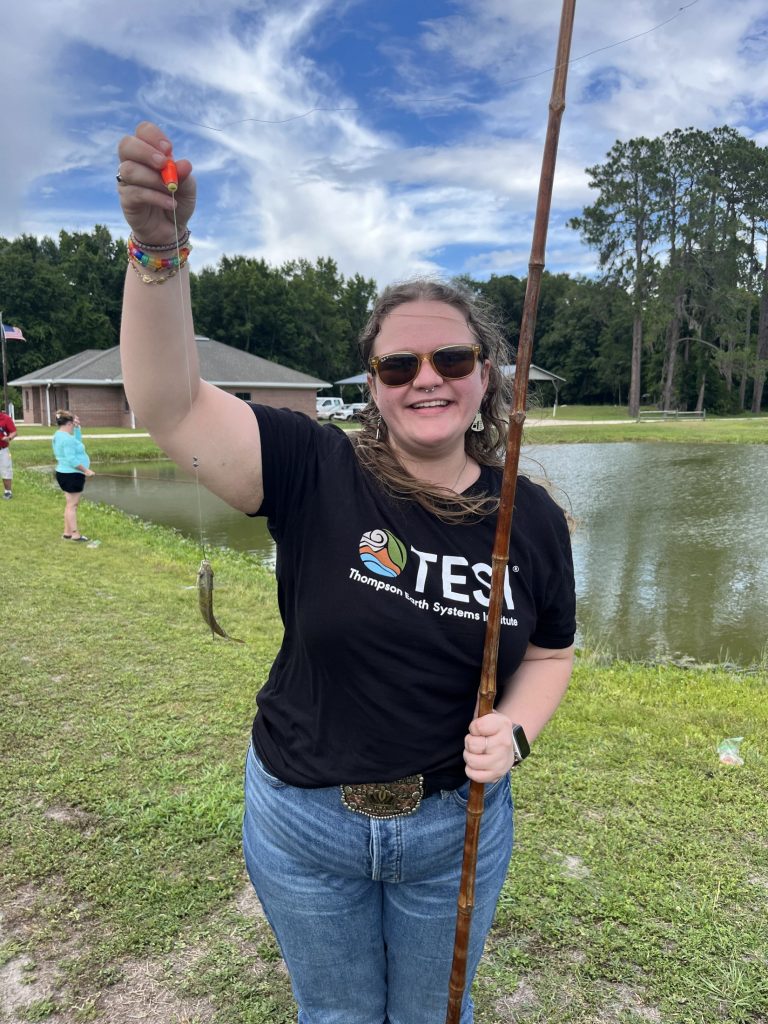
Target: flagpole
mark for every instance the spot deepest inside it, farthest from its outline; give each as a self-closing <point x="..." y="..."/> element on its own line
<point x="5" y="374"/>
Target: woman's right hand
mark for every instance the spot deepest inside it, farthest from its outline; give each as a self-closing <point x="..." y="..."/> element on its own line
<point x="147" y="203"/>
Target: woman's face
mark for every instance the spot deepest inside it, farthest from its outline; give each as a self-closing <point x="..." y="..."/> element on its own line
<point x="431" y="414"/>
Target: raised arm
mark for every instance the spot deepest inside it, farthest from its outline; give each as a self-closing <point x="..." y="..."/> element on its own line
<point x="196" y="424"/>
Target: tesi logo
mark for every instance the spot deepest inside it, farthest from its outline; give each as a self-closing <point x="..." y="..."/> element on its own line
<point x="381" y="552"/>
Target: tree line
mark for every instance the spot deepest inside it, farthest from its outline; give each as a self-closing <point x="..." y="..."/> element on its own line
<point x="677" y="318"/>
<point x="679" y="223"/>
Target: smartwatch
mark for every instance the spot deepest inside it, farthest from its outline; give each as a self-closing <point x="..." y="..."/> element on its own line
<point x="520" y="743"/>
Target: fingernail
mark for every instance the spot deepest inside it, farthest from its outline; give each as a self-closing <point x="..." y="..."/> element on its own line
<point x="159" y="160"/>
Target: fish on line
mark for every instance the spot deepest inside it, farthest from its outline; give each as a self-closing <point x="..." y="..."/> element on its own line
<point x="205" y="597"/>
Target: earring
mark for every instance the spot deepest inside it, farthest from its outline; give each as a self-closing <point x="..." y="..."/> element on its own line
<point x="477" y="423"/>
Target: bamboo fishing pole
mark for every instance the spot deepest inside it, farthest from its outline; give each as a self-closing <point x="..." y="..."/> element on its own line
<point x="500" y="557"/>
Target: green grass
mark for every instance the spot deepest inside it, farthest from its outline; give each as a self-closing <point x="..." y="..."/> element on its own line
<point x="639" y="886"/>
<point x="35" y="430"/>
<point x="27" y="454"/>
<point x="588" y="413"/>
<point x="709" y="431"/>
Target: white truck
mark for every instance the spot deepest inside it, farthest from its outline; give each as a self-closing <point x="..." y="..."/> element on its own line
<point x="326" y="407"/>
<point x="349" y="412"/>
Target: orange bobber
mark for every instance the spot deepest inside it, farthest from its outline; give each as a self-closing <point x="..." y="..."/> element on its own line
<point x="170" y="176"/>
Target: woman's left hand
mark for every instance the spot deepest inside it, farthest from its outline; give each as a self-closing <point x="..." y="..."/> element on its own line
<point x="489" y="752"/>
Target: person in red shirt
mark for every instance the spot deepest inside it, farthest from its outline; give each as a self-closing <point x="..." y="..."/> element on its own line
<point x="7" y="434"/>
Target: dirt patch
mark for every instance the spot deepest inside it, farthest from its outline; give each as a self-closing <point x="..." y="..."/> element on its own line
<point x="17" y="917"/>
<point x="23" y="983"/>
<point x="573" y="867"/>
<point x="511" y="1008"/>
<point x="623" y="999"/>
<point x="145" y="990"/>
<point x="69" y="816"/>
<point x="142" y="996"/>
<point x="247" y="903"/>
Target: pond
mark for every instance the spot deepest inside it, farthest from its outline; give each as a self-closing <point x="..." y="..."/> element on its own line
<point x="670" y="548"/>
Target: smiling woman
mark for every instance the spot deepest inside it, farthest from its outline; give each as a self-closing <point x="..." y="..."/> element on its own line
<point x="367" y="730"/>
<point x="445" y="395"/>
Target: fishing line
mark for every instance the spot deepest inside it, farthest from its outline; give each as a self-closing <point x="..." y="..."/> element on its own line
<point x="511" y="81"/>
<point x="610" y="46"/>
<point x="170" y="179"/>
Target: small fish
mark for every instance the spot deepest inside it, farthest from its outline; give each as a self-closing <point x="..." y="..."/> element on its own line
<point x="205" y="596"/>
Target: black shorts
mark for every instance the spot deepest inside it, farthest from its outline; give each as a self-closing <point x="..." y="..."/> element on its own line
<point x="72" y="483"/>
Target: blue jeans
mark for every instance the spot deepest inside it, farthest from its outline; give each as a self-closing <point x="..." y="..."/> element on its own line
<point x="364" y="909"/>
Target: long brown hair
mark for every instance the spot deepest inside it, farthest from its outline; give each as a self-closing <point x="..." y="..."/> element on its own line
<point x="486" y="447"/>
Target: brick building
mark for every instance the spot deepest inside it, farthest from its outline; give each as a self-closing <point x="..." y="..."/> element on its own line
<point x="91" y="384"/>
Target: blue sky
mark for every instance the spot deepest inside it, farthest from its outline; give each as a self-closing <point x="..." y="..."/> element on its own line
<point x="425" y="156"/>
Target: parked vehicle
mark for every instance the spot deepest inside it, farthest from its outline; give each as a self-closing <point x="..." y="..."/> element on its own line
<point x="349" y="412"/>
<point x="327" y="406"/>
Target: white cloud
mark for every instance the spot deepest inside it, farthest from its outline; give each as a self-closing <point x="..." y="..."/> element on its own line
<point x="434" y="156"/>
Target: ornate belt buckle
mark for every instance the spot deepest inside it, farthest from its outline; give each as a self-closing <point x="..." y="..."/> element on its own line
<point x="384" y="799"/>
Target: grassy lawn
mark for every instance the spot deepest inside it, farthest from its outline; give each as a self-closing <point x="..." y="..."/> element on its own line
<point x="128" y="446"/>
<point x="638" y="890"/>
<point x="709" y="431"/>
<point x="587" y="413"/>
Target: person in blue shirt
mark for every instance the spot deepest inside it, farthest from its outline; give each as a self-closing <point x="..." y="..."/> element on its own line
<point x="72" y="467"/>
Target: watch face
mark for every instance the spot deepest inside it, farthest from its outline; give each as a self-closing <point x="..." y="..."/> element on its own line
<point x="522" y="747"/>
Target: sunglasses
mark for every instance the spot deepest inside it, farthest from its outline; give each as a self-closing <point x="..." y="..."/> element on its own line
<point x="453" y="362"/>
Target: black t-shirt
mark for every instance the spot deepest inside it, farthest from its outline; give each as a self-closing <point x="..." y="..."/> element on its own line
<point x="384" y="608"/>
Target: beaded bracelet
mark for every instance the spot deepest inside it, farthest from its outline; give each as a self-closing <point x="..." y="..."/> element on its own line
<point x="163" y="268"/>
<point x="158" y="262"/>
<point x="146" y="247"/>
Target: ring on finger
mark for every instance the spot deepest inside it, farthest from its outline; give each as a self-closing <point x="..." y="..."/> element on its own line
<point x="119" y="179"/>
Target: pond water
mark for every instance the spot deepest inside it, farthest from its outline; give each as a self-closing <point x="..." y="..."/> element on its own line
<point x="670" y="549"/>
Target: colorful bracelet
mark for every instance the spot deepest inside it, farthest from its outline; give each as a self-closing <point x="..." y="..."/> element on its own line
<point x="137" y="255"/>
<point x="146" y="247"/>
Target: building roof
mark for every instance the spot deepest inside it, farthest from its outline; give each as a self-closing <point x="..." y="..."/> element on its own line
<point x="536" y="373"/>
<point x="220" y="364"/>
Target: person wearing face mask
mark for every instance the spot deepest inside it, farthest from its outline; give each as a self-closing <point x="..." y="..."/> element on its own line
<point x="366" y="734"/>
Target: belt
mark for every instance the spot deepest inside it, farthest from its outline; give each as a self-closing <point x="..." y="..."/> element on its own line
<point x="384" y="799"/>
<point x="391" y="799"/>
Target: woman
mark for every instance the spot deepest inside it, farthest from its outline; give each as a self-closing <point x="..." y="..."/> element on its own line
<point x="72" y="467"/>
<point x="366" y="735"/>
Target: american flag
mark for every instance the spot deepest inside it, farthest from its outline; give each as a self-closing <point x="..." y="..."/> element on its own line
<point x="12" y="333"/>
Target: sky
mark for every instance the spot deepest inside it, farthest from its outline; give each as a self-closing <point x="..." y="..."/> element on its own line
<point x="397" y="138"/>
